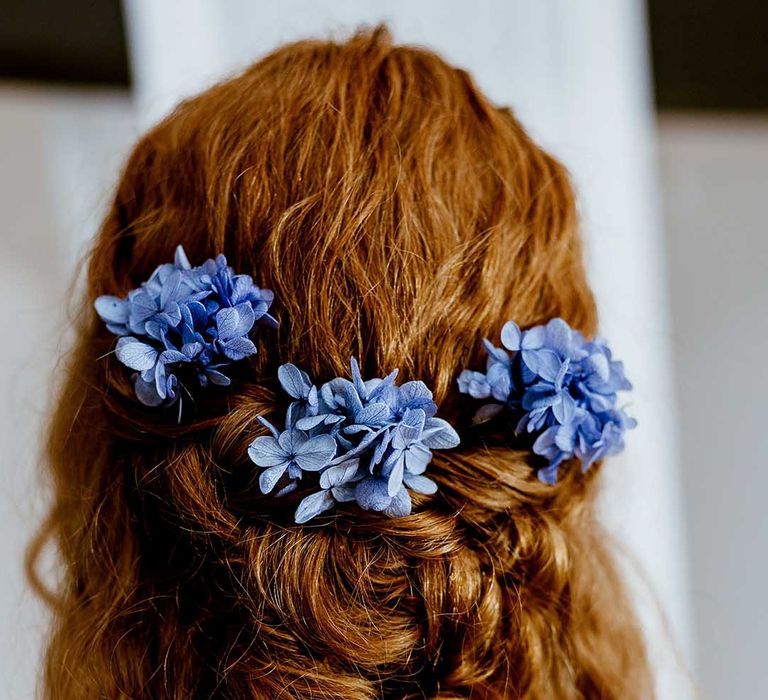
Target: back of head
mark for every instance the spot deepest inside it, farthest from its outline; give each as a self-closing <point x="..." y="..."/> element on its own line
<point x="399" y="218"/>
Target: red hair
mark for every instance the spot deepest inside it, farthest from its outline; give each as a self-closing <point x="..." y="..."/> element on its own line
<point x="399" y="217"/>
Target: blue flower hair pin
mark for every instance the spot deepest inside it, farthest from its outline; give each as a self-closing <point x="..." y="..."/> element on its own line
<point x="560" y="387"/>
<point x="197" y="318"/>
<point x="365" y="441"/>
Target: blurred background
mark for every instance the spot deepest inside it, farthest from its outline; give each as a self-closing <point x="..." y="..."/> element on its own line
<point x="659" y="109"/>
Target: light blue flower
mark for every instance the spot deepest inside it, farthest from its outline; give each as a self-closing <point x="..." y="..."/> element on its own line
<point x="558" y="387"/>
<point x="383" y="434"/>
<point x="189" y="321"/>
<point x="290" y="452"/>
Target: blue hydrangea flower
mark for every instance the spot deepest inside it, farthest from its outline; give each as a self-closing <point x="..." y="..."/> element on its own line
<point x="560" y="388"/>
<point x="184" y="319"/>
<point x="382" y="436"/>
<point x="290" y="452"/>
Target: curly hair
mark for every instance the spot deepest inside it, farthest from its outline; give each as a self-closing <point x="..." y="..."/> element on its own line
<point x="399" y="217"/>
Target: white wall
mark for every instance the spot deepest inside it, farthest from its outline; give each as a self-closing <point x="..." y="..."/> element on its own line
<point x="715" y="182"/>
<point x="59" y="153"/>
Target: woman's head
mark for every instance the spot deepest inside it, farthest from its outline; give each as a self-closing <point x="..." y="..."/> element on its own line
<point x="399" y="217"/>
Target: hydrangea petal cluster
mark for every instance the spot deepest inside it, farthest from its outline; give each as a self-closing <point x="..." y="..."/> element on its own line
<point x="364" y="441"/>
<point x="561" y="388"/>
<point x="183" y="318"/>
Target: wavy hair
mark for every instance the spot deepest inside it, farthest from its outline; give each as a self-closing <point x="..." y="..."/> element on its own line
<point x="399" y="217"/>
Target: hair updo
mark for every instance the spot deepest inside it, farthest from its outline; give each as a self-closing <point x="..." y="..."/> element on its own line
<point x="399" y="217"/>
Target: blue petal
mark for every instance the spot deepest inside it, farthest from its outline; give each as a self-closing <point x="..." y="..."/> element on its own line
<point x="357" y="380"/>
<point x="117" y="329"/>
<point x="381" y="389"/>
<point x="559" y="337"/>
<point x="400" y="505"/>
<point x="345" y="390"/>
<point x="496" y="354"/>
<point x="135" y="354"/>
<point x="146" y="392"/>
<point x="511" y="336"/>
<point x="543" y="362"/>
<point x="371" y="494"/>
<point x="548" y="474"/>
<point x="170" y="290"/>
<point x="180" y="258"/>
<point x="265" y="451"/>
<point x="499" y="380"/>
<point x="295" y="382"/>
<point x="533" y="339"/>
<point x="170" y="316"/>
<point x="545" y="440"/>
<point x="374" y="414"/>
<point x="403" y="436"/>
<point x="414" y="418"/>
<point x="414" y="390"/>
<point x="198" y="314"/>
<point x="238" y="348"/>
<point x="562" y="373"/>
<point x="475" y="384"/>
<point x="269" y="477"/>
<point x="315" y="453"/>
<point x="192" y="349"/>
<point x="439" y="434"/>
<point x="381" y="448"/>
<point x="234" y="322"/>
<point x="170" y="388"/>
<point x="288" y="488"/>
<point x="310" y="422"/>
<point x="416" y="394"/>
<point x="420" y="484"/>
<point x="540" y="396"/>
<point x="289" y="440"/>
<point x="217" y="377"/>
<point x="565" y="409"/>
<point x="417" y="458"/>
<point x="395" y="478"/>
<point x="364" y="444"/>
<point x="161" y="380"/>
<point x="170" y="356"/>
<point x="313" y="505"/>
<point x="112" y="309"/>
<point x="142" y="308"/>
<point x="272" y="429"/>
<point x="339" y="474"/>
<point x="599" y="403"/>
<point x="565" y="438"/>
<point x="598" y="364"/>
<point x="344" y="494"/>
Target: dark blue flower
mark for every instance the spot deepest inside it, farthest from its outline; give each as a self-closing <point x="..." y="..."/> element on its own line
<point x="197" y="319"/>
<point x="383" y="435"/>
<point x="559" y="387"/>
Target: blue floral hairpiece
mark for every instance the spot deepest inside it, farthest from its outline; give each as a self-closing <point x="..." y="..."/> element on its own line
<point x="560" y="386"/>
<point x="198" y="318"/>
<point x="364" y="441"/>
<point x="367" y="441"/>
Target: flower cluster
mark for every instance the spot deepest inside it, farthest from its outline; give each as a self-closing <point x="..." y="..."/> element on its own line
<point x="185" y="318"/>
<point x="367" y="441"/>
<point x="560" y="387"/>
